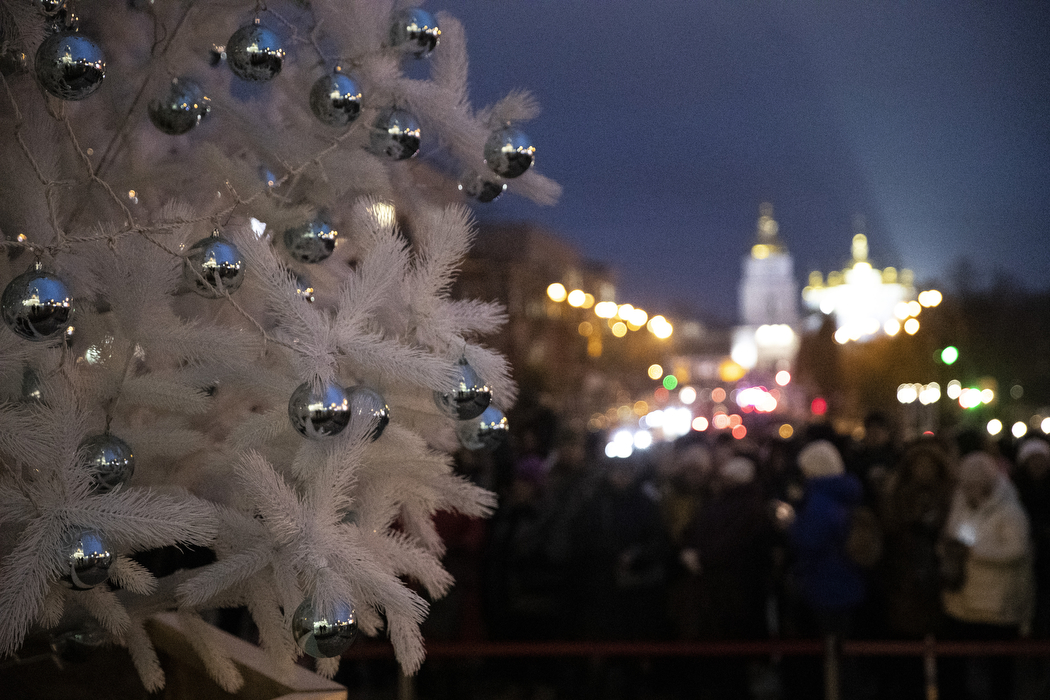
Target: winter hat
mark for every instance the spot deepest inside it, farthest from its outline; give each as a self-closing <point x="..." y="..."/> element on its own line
<point x="978" y="467"/>
<point x="820" y="458"/>
<point x="1032" y="447"/>
<point x="739" y="470"/>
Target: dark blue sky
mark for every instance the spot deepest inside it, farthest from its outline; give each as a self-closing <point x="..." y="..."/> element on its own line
<point x="669" y="122"/>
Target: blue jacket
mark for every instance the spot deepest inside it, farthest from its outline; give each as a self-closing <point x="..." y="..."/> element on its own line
<point x="828" y="579"/>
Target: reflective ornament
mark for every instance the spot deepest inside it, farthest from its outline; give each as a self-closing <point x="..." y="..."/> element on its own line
<point x="254" y="53"/>
<point x="50" y="7"/>
<point x="319" y="413"/>
<point x="311" y="242"/>
<point x="369" y="405"/>
<point x="415" y="31"/>
<point x="322" y="638"/>
<point x="77" y="646"/>
<point x="32" y="387"/>
<point x="69" y="66"/>
<point x="470" y="397"/>
<point x="37" y="305"/>
<point x="395" y="134"/>
<point x="303" y="289"/>
<point x="335" y="99"/>
<point x="181" y="109"/>
<point x="482" y="189"/>
<point x="88" y="559"/>
<point x="110" y="461"/>
<point x="214" y="265"/>
<point x="509" y="152"/>
<point x="484" y="432"/>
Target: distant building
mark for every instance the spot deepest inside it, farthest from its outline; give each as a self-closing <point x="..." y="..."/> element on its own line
<point x="767" y="338"/>
<point x="864" y="301"/>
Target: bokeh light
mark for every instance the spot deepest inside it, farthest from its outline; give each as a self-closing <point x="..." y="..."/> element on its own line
<point x="818" y="406"/>
<point x="1019" y="429"/>
<point x="911" y="326"/>
<point x="700" y="424"/>
<point x="556" y="292"/>
<point x="576" y="298"/>
<point x="687" y="395"/>
<point x="995" y="426"/>
<point x="655" y="371"/>
<point x="783" y="377"/>
<point x="670" y="382"/>
<point x="786" y="431"/>
<point x="718" y="394"/>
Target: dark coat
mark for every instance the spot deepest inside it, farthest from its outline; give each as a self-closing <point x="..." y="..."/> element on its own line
<point x="827" y="578"/>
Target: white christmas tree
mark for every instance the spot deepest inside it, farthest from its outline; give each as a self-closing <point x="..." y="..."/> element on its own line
<point x="228" y="323"/>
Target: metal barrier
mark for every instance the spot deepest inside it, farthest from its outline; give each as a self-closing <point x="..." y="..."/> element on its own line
<point x="830" y="648"/>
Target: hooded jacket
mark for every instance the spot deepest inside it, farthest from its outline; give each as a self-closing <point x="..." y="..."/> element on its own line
<point x="828" y="579"/>
<point x="998" y="585"/>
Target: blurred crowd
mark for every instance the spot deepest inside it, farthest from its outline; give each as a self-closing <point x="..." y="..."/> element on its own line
<point x="713" y="538"/>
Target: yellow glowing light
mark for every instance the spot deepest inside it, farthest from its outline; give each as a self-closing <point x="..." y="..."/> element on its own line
<point x="760" y="251"/>
<point x="604" y="309"/>
<point x="1019" y="429"/>
<point x="659" y="326"/>
<point x="786" y="431"/>
<point x="864" y="266"/>
<point x="588" y="301"/>
<point x="655" y="371"/>
<point x="914" y="308"/>
<point x="22" y="238"/>
<point x="934" y="297"/>
<point x="729" y="371"/>
<point x="901" y="310"/>
<point x="700" y="424"/>
<point x="585" y="328"/>
<point x="987" y="396"/>
<point x="556" y="292"/>
<point x="892" y="327"/>
<point x="783" y="377"/>
<point x="594" y="346"/>
<point x="954" y="389"/>
<point x="911" y="326"/>
<point x="576" y="298"/>
<point x="639" y="318"/>
<point x="995" y="426"/>
<point x="687" y="395"/>
<point x="640" y="408"/>
<point x="624" y="311"/>
<point x="131" y="194"/>
<point x="842" y="336"/>
<point x="619" y="329"/>
<point x="1045" y="426"/>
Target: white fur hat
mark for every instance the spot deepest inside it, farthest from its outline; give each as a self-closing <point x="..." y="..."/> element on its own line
<point x="739" y="470"/>
<point x="1031" y="447"/>
<point x="820" y="458"/>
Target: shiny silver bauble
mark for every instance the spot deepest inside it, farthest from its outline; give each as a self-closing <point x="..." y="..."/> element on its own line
<point x="181" y="109"/>
<point x="213" y="266"/>
<point x="255" y="53"/>
<point x="485" y="432"/>
<point x="319" y="413"/>
<point x="395" y="134"/>
<point x="109" y="459"/>
<point x="320" y="637"/>
<point x="37" y="305"/>
<point x="69" y="65"/>
<point x="335" y="99"/>
<point x="509" y="152"/>
<point x="470" y="397"/>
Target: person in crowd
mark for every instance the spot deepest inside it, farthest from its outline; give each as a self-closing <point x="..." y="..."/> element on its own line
<point x="919" y="495"/>
<point x="830" y="584"/>
<point x="986" y="567"/>
<point x="1032" y="478"/>
<point x="874" y="457"/>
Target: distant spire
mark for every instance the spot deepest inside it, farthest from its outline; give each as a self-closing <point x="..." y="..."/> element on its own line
<point x="860" y="240"/>
<point x="766" y="234"/>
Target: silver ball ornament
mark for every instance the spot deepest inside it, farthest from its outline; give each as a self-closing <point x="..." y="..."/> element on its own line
<point x="369" y="405"/>
<point x="469" y="399"/>
<point x="415" y="31"/>
<point x="484" y="190"/>
<point x="88" y="559"/>
<point x="395" y="134"/>
<point x="109" y="459"/>
<point x="214" y="265"/>
<point x="311" y="242"/>
<point x="255" y="53"/>
<point x="324" y="638"/>
<point x="335" y="99"/>
<point x="319" y="413"/>
<point x="181" y="109"/>
<point x="485" y="432"/>
<point x="69" y="65"/>
<point x="37" y="305"/>
<point x="509" y="152"/>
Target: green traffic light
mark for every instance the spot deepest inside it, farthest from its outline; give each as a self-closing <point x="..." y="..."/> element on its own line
<point x="949" y="355"/>
<point x="670" y="382"/>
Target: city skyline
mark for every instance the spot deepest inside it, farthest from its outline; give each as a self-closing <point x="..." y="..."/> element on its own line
<point x="669" y="124"/>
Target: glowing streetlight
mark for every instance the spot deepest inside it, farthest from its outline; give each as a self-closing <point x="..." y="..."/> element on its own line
<point x="556" y="292"/>
<point x="576" y="298"/>
<point x="604" y="309"/>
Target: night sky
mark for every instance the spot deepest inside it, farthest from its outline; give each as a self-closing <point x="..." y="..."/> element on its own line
<point x="668" y="123"/>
